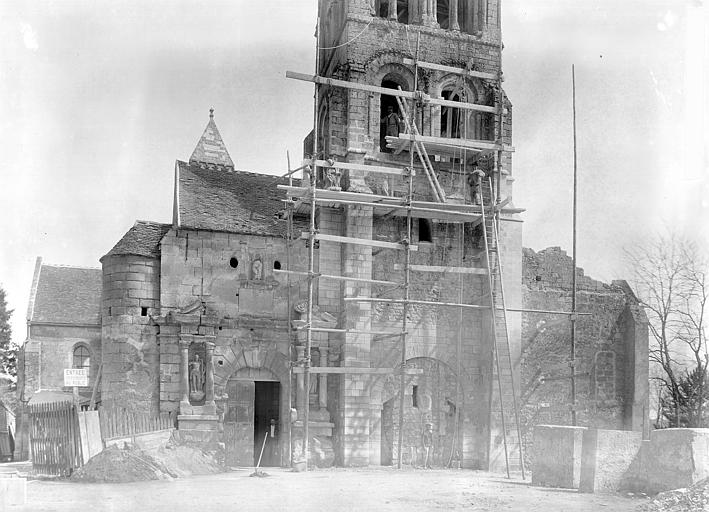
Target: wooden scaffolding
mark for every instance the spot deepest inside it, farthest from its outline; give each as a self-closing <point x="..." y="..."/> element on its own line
<point x="308" y="197"/>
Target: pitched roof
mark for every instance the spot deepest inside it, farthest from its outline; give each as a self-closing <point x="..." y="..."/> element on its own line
<point x="142" y="239"/>
<point x="226" y="200"/>
<point x="67" y="295"/>
<point x="210" y="148"/>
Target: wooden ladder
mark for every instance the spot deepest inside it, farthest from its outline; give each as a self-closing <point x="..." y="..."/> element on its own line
<point x="505" y="433"/>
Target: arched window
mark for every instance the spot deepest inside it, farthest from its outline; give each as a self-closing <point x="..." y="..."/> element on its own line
<point x="390" y="116"/>
<point x="81" y="357"/>
<point x="458" y="123"/>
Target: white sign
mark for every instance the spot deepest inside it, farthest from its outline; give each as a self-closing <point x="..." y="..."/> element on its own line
<point x="76" y="377"/>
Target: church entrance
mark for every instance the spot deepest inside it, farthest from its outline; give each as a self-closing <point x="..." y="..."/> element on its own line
<point x="252" y="411"/>
<point x="266" y="407"/>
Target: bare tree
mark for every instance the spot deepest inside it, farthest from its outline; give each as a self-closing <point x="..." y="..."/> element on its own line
<point x="670" y="277"/>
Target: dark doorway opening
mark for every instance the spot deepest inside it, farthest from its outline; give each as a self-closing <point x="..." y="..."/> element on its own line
<point x="266" y="409"/>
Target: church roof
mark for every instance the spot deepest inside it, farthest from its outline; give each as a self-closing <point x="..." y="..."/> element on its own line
<point x="66" y="295"/>
<point x="142" y="239"/>
<point x="210" y="148"/>
<point x="232" y="201"/>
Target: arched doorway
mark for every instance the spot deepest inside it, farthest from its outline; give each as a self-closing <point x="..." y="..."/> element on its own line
<point x="252" y="419"/>
<point x="430" y="397"/>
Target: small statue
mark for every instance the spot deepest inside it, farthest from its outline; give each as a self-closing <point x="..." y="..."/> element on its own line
<point x="333" y="176"/>
<point x="257" y="270"/>
<point x="196" y="375"/>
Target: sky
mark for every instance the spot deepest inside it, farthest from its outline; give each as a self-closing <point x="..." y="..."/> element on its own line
<point x="99" y="98"/>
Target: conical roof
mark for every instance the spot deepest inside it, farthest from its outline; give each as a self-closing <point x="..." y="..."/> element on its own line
<point x="210" y="149"/>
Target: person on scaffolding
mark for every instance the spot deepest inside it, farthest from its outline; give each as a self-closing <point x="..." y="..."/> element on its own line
<point x="475" y="180"/>
<point x="391" y="126"/>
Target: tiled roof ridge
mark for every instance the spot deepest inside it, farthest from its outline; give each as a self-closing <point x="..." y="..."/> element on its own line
<point x="66" y="265"/>
<point x="234" y="170"/>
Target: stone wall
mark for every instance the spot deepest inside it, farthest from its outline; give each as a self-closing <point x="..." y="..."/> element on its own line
<point x="611" y="348"/>
<point x="131" y="295"/>
<point x="50" y="349"/>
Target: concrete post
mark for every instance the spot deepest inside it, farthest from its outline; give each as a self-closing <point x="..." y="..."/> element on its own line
<point x="453" y="15"/>
<point x="209" y="373"/>
<point x="184" y="371"/>
<point x="301" y="395"/>
<point x="322" y="378"/>
<point x="392" y="10"/>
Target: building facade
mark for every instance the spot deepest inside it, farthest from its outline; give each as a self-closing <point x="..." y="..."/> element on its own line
<point x="198" y="316"/>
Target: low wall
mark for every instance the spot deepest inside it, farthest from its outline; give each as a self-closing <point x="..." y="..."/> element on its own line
<point x="607" y="458"/>
<point x="612" y="460"/>
<point x="673" y="458"/>
<point x="556" y="456"/>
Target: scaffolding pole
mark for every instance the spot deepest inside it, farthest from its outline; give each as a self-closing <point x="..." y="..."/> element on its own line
<point x="290" y="318"/>
<point x="573" y="274"/>
<point x="311" y="256"/>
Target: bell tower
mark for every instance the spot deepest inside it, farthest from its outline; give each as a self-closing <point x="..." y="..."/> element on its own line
<point x="428" y="146"/>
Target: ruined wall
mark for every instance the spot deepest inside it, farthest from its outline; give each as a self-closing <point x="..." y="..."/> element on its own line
<point x="131" y="294"/>
<point x="611" y="383"/>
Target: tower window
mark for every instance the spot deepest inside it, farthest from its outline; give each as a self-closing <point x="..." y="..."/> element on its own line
<point x="277" y="265"/>
<point x="143" y="311"/>
<point x="443" y="13"/>
<point x="425" y="231"/>
<point x="415" y="396"/>
<point x="233" y="262"/>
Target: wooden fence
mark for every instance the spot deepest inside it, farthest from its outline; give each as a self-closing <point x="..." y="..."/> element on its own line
<point x="118" y="422"/>
<point x="55" y="442"/>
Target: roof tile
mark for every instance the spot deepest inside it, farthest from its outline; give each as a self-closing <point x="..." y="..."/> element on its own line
<point x="143" y="239"/>
<point x="68" y="295"/>
<point x="216" y="199"/>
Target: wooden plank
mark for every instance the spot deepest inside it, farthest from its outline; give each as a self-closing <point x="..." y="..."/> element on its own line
<point x="338" y="278"/>
<point x="367" y="168"/>
<point x="448" y="270"/>
<point x="470" y="144"/>
<point x="356" y="370"/>
<point x="389" y="92"/>
<point x="411" y="301"/>
<point x="451" y="69"/>
<point x="358" y="241"/>
<point x="444" y="211"/>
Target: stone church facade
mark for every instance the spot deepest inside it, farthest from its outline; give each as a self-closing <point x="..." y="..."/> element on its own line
<point x="196" y="319"/>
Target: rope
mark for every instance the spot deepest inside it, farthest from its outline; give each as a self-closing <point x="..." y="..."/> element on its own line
<point x="351" y="40"/>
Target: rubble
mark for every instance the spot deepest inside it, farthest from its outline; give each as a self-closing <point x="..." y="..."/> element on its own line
<point x="692" y="499"/>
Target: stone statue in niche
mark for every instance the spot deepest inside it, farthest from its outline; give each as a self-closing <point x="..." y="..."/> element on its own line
<point x="334" y="176"/>
<point x="197" y="377"/>
<point x="257" y="270"/>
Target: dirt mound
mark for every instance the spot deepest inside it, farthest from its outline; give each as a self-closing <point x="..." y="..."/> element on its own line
<point x="185" y="460"/>
<point x="692" y="499"/>
<point x="131" y="464"/>
<point x="122" y="465"/>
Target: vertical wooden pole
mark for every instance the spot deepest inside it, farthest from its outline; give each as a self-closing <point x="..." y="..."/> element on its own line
<point x="573" y="272"/>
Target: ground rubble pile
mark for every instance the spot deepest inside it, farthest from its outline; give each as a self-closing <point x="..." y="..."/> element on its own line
<point x="692" y="499"/>
<point x="132" y="464"/>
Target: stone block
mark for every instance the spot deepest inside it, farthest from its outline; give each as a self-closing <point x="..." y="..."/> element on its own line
<point x="607" y="458"/>
<point x="556" y="456"/>
<point x="13" y="489"/>
<point x="674" y="458"/>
